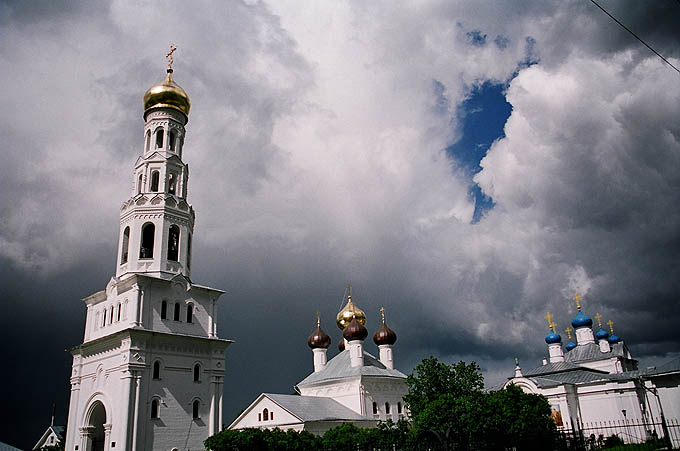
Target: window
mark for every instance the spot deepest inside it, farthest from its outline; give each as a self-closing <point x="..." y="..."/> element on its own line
<point x="172" y="183"/>
<point x="265" y="415"/>
<point x="190" y="313"/>
<point x="375" y="408"/>
<point x="155" y="407"/>
<point x="180" y="144"/>
<point x="189" y="252"/>
<point x="140" y="179"/>
<point x="159" y="138"/>
<point x="387" y="408"/>
<point x="271" y="415"/>
<point x="111" y="318"/>
<point x="154" y="181"/>
<point x="118" y="313"/>
<point x="399" y="411"/>
<point x="176" y="315"/>
<point x="259" y="417"/>
<point x="173" y="243"/>
<point x="124" y="246"/>
<point x="148" y="232"/>
<point x="171" y="141"/>
<point x="104" y="318"/>
<point x="156" y="370"/>
<point x="197" y="373"/>
<point x="147" y="144"/>
<point x="164" y="310"/>
<point x="194" y="409"/>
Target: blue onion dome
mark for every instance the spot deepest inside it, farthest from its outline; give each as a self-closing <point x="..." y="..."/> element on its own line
<point x="613" y="339"/>
<point x="571" y="345"/>
<point x="319" y="339"/>
<point x="581" y="320"/>
<point x="354" y="331"/>
<point x="553" y="337"/>
<point x="602" y="334"/>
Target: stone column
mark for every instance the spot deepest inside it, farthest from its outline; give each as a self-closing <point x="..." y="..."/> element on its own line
<point x="107" y="436"/>
<point x="71" y="435"/>
<point x="213" y="405"/>
<point x="86" y="438"/>
<point x="128" y="406"/>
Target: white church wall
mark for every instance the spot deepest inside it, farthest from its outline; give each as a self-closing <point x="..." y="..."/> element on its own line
<point x="253" y="417"/>
<point x="382" y="391"/>
<point x="347" y="392"/>
<point x="606" y="402"/>
<point x="668" y="389"/>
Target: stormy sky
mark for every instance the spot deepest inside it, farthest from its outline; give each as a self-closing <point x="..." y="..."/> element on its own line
<point x="468" y="165"/>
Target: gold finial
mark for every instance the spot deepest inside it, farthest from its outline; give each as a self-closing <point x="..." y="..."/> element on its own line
<point x="598" y="317"/>
<point x="577" y="297"/>
<point x="553" y="326"/>
<point x="169" y="56"/>
<point x="349" y="291"/>
<point x="549" y="317"/>
<point x="516" y="361"/>
<point x="318" y="319"/>
<point x="568" y="331"/>
<point x="382" y="312"/>
<point x="610" y="323"/>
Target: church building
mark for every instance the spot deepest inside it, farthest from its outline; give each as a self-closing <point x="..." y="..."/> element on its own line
<point x="353" y="387"/>
<point x="149" y="373"/>
<point x="596" y="381"/>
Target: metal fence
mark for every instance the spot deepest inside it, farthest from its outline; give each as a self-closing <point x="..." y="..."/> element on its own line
<point x="635" y="434"/>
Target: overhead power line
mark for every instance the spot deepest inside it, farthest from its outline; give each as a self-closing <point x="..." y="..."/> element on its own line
<point x="636" y="36"/>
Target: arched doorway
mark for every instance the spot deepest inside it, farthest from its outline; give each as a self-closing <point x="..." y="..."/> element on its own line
<point x="96" y="421"/>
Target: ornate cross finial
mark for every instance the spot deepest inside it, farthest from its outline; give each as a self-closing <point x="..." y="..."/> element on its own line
<point x="577" y="297"/>
<point x="516" y="361"/>
<point x="169" y="56"/>
<point x="553" y="326"/>
<point x="598" y="317"/>
<point x="610" y="323"/>
<point x="382" y="312"/>
<point x="549" y="317"/>
<point x="568" y="331"/>
<point x="318" y="319"/>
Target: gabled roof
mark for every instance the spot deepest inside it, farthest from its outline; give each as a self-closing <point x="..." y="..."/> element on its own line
<point x="339" y="367"/>
<point x="312" y="408"/>
<point x="591" y="352"/>
<point x="552" y="368"/>
<point x="58" y="431"/>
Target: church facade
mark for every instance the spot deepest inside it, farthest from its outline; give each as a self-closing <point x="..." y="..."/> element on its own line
<point x="149" y="373"/>
<point x="596" y="381"/>
<point x="353" y="387"/>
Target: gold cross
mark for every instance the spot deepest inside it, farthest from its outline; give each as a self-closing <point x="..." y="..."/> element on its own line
<point x="553" y="326"/>
<point x="349" y="292"/>
<point x="318" y="319"/>
<point x="382" y="312"/>
<point x="549" y="317"/>
<point x="598" y="317"/>
<point x="610" y="323"/>
<point x="568" y="331"/>
<point x="169" y="55"/>
<point x="577" y="297"/>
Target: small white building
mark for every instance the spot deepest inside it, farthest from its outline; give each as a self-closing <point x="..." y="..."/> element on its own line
<point x="353" y="387"/>
<point x="149" y="373"/>
<point x="53" y="437"/>
<point x="596" y="386"/>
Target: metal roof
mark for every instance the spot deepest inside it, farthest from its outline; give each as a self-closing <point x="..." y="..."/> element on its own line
<point x="591" y="351"/>
<point x="339" y="367"/>
<point x="312" y="408"/>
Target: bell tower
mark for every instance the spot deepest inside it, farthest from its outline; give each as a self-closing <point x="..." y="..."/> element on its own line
<point x="157" y="222"/>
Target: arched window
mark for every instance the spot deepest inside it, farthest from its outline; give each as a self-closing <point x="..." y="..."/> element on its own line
<point x="159" y="138"/>
<point x="171" y="141"/>
<point x="189" y="252"/>
<point x="154" y="181"/>
<point x="148" y="234"/>
<point x="172" y="183"/>
<point x="375" y="408"/>
<point x="194" y="410"/>
<point x="387" y="408"/>
<point x="147" y="144"/>
<point x="156" y="370"/>
<point x="155" y="408"/>
<point x="259" y="417"/>
<point x="197" y="373"/>
<point x="164" y="310"/>
<point x="140" y="180"/>
<point x="176" y="315"/>
<point x="190" y="313"/>
<point x="125" y="245"/>
<point x="265" y="415"/>
<point x="111" y="322"/>
<point x="118" y="312"/>
<point x="104" y="318"/>
<point x="271" y="415"/>
<point x="173" y="243"/>
<point x="399" y="410"/>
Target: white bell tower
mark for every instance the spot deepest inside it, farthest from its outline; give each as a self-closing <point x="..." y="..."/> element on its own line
<point x="149" y="374"/>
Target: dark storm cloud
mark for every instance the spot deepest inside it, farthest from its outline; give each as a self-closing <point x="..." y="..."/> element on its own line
<point x="316" y="146"/>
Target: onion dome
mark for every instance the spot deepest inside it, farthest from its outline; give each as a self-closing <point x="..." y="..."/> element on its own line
<point x="349" y="312"/>
<point x="613" y="339"/>
<point x="341" y="345"/>
<point x="384" y="335"/>
<point x="553" y="337"/>
<point x="354" y="331"/>
<point x="571" y="345"/>
<point x="602" y="334"/>
<point x="581" y="320"/>
<point x="319" y="338"/>
<point x="167" y="94"/>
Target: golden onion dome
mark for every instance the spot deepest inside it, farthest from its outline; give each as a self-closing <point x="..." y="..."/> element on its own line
<point x="167" y="94"/>
<point x="348" y="312"/>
